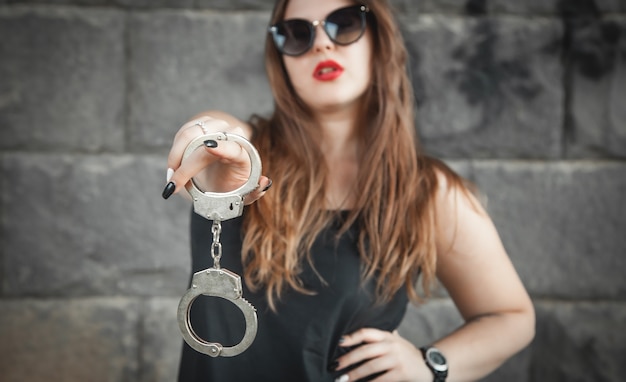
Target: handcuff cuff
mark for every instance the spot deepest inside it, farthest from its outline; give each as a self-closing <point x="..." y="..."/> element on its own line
<point x="217" y="281"/>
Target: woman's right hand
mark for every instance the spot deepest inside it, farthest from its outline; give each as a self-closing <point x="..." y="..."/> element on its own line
<point x="215" y="167"/>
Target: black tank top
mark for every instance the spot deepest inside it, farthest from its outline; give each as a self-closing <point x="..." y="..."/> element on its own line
<point x="298" y="342"/>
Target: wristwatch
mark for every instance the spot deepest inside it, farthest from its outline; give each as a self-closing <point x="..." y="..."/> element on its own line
<point x="436" y="362"/>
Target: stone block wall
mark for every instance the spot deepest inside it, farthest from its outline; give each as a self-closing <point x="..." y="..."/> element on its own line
<point x="527" y="99"/>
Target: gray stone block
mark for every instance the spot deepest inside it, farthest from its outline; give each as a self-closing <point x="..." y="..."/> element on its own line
<point x="155" y="3"/>
<point x="562" y="223"/>
<point x="597" y="127"/>
<point x="585" y="8"/>
<point x="187" y="62"/>
<point x="430" y="321"/>
<point x="236" y="4"/>
<point x="415" y="7"/>
<point x="583" y="341"/>
<point x="69" y="340"/>
<point x="515" y="369"/>
<point x="529" y="7"/>
<point x="555" y="7"/>
<point x="62" y="73"/>
<point x="160" y="4"/>
<point x="161" y="341"/>
<point x="487" y="87"/>
<point x="62" y="2"/>
<point x="92" y="225"/>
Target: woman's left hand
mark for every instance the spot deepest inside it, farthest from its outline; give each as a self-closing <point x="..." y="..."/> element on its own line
<point x="382" y="351"/>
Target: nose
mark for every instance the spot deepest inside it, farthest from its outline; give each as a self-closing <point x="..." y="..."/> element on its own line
<point x="321" y="41"/>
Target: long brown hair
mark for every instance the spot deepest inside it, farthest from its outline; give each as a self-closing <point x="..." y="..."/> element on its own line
<point x="394" y="206"/>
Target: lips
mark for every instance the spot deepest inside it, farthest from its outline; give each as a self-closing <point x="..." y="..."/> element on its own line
<point x="327" y="71"/>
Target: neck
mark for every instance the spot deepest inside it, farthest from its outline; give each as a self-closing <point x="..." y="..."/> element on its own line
<point x="339" y="139"/>
<point x="340" y="149"/>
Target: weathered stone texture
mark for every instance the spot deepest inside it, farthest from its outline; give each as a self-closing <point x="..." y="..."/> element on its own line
<point x="487" y="87"/>
<point x="497" y="7"/>
<point x="155" y="3"/>
<point x="161" y="341"/>
<point x="598" y="100"/>
<point x="527" y="7"/>
<point x="62" y="74"/>
<point x="426" y="323"/>
<point x="63" y="2"/>
<point x="69" y="340"/>
<point x="184" y="63"/>
<point x="91" y="225"/>
<point x="583" y="342"/>
<point x="554" y="7"/>
<point x="236" y="4"/>
<point x="563" y="224"/>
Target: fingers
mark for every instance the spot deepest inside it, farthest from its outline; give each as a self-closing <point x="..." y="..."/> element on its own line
<point x="375" y="366"/>
<point x="195" y="163"/>
<point x="380" y="352"/>
<point x="364" y="335"/>
<point x="188" y="132"/>
<point x="235" y="160"/>
<point x="374" y="343"/>
<point x="373" y="358"/>
<point x="265" y="184"/>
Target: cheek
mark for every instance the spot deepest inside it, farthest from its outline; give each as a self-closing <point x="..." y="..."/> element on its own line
<point x="365" y="69"/>
<point x="365" y="56"/>
<point x="294" y="72"/>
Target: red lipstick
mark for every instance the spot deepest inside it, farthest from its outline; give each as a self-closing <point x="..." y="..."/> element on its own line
<point x="327" y="71"/>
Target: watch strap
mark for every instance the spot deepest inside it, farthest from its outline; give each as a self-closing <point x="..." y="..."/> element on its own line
<point x="439" y="375"/>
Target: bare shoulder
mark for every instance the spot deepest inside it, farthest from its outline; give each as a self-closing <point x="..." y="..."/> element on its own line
<point x="472" y="262"/>
<point x="453" y="191"/>
<point x="459" y="214"/>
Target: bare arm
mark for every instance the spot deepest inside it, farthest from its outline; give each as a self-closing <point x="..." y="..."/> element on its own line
<point x="479" y="276"/>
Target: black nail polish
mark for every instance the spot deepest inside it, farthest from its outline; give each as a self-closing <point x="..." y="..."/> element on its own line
<point x="333" y="366"/>
<point x="169" y="190"/>
<point x="268" y="186"/>
<point x="210" y="143"/>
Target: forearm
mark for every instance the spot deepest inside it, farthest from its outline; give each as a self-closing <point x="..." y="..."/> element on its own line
<point x="484" y="343"/>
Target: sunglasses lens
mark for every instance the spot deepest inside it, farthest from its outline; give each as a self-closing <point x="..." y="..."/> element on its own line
<point x="292" y="37"/>
<point x="345" y="25"/>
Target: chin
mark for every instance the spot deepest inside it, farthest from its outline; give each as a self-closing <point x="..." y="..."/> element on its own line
<point x="333" y="102"/>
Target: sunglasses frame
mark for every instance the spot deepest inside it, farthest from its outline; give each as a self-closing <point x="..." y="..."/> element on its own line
<point x="312" y="26"/>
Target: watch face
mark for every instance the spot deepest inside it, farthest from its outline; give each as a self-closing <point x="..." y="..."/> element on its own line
<point x="437" y="360"/>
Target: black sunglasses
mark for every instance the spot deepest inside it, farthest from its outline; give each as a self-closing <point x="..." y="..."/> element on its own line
<point x="343" y="26"/>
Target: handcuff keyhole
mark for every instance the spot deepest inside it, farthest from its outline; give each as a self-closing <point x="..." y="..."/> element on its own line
<point x="231" y="207"/>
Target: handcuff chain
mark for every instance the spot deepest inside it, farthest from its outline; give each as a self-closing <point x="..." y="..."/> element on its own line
<point x="216" y="246"/>
<point x="216" y="281"/>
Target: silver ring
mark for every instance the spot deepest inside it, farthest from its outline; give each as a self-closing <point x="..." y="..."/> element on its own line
<point x="202" y="125"/>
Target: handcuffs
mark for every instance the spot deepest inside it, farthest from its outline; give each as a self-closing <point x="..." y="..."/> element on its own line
<point x="217" y="281"/>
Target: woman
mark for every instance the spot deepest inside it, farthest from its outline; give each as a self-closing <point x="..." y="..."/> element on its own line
<point x="331" y="254"/>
